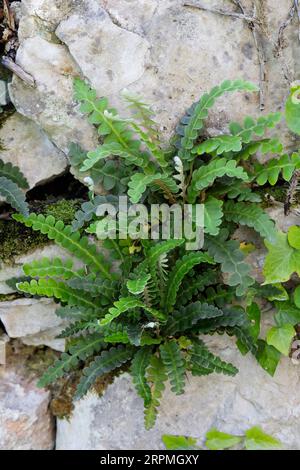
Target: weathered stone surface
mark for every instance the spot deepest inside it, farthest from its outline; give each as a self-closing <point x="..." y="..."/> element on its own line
<point x="91" y="31"/>
<point x="115" y="421"/>
<point x="154" y="48"/>
<point x="50" y="104"/>
<point x="28" y="147"/>
<point x="33" y="321"/>
<point x="4" y="97"/>
<point x="25" y="420"/>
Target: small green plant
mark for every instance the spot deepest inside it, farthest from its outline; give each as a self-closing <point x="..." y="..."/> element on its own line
<point x="145" y="302"/>
<point x="12" y="182"/>
<point x="253" y="439"/>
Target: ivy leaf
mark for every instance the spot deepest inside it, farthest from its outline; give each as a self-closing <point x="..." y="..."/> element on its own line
<point x="287" y="312"/>
<point x="294" y="237"/>
<point x="212" y="215"/>
<point x="297" y="297"/>
<point x="292" y="109"/>
<point x="281" y="261"/>
<point x="179" y="442"/>
<point x="281" y="337"/>
<point x="268" y="357"/>
<point x="256" y="439"/>
<point x="216" y="440"/>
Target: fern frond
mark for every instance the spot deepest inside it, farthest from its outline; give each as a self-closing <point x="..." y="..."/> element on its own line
<point x="219" y="144"/>
<point x="212" y="215"/>
<point x="228" y="254"/>
<point x="191" y="286"/>
<point x="207" y="174"/>
<point x="106" y="362"/>
<point x="252" y="216"/>
<point x="264" y="146"/>
<point x="56" y="267"/>
<point x="83" y="348"/>
<point x="113" y="149"/>
<point x="188" y="316"/>
<point x="95" y="286"/>
<point x="254" y="126"/>
<point x="13" y="195"/>
<point x="139" y="364"/>
<point x="76" y="313"/>
<point x="232" y="317"/>
<point x="59" y="290"/>
<point x="137" y="286"/>
<point x="72" y="242"/>
<point x="192" y="123"/>
<point x="270" y="171"/>
<point x="181" y="268"/>
<point x="175" y="365"/>
<point x="156" y="376"/>
<point x="203" y="360"/>
<point x="89" y="208"/>
<point x="179" y="176"/>
<point x="219" y="296"/>
<point x="14" y="174"/>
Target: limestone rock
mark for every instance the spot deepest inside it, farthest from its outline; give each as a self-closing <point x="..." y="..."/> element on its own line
<point x="4" y="97"/>
<point x="161" y="50"/>
<point x="33" y="321"/>
<point x="25" y="420"/>
<point x="89" y="34"/>
<point x="115" y="421"/>
<point x="50" y="104"/>
<point x="29" y="148"/>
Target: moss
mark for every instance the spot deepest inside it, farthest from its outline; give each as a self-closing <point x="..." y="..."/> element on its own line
<point x="63" y="210"/>
<point x="269" y="194"/>
<point x="10" y="297"/>
<point x="16" y="239"/>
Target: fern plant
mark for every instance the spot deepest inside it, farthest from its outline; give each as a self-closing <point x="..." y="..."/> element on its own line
<point x="148" y="303"/>
<point x="12" y="182"/>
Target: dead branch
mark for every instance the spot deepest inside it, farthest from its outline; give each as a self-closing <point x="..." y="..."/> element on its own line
<point x="17" y="70"/>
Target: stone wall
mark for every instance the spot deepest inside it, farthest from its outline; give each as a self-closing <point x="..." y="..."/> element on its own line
<point x="170" y="53"/>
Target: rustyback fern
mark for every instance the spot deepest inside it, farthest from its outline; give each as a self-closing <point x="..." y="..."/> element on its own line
<point x="144" y="303"/>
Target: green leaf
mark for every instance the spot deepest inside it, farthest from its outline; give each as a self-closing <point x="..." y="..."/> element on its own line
<point x="212" y="215"/>
<point x="13" y="195"/>
<point x="220" y="144"/>
<point x="137" y="286"/>
<point x="72" y="242"/>
<point x="83" y="348"/>
<point x="121" y="306"/>
<point x="181" y="268"/>
<point x="192" y="123"/>
<point x="286" y="312"/>
<point x="14" y="174"/>
<point x="175" y="365"/>
<point x="203" y="362"/>
<point x="294" y="237"/>
<point x="251" y="215"/>
<point x="256" y="439"/>
<point x="268" y="357"/>
<point x="46" y="267"/>
<point x="188" y="316"/>
<point x="292" y="109"/>
<point x="139" y="364"/>
<point x="106" y="362"/>
<point x="156" y="376"/>
<point x="216" y="440"/>
<point x="228" y="253"/>
<point x="138" y="184"/>
<point x="281" y="337"/>
<point x="53" y="288"/>
<point x="270" y="171"/>
<point x="207" y="174"/>
<point x="179" y="442"/>
<point x="281" y="261"/>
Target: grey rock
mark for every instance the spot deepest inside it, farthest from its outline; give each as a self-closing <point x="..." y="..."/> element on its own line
<point x="25" y="419"/>
<point x="232" y="404"/>
<point x="4" y="96"/>
<point x="26" y="146"/>
<point x="33" y="321"/>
